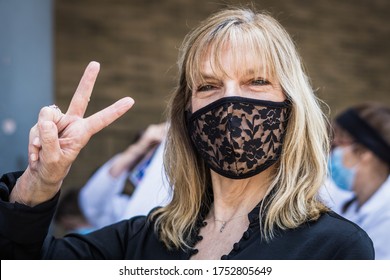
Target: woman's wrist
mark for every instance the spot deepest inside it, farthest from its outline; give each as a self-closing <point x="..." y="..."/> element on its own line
<point x="30" y="190"/>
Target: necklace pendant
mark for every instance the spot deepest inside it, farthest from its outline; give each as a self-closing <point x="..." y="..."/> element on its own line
<point x="222" y="227"/>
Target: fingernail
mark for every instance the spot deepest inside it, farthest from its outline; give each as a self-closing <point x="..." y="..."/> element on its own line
<point x="128" y="100"/>
<point x="94" y="64"/>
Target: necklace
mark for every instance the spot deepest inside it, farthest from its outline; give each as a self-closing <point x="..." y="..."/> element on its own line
<point x="225" y="222"/>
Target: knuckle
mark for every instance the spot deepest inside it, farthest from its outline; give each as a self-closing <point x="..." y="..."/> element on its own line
<point x="54" y="159"/>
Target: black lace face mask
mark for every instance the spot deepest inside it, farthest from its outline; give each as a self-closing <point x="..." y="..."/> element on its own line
<point x="239" y="137"/>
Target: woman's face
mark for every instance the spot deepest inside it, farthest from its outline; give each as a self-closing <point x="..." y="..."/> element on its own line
<point x="237" y="80"/>
<point x="345" y="141"/>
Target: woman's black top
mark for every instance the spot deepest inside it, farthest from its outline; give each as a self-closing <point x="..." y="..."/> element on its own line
<point x="23" y="235"/>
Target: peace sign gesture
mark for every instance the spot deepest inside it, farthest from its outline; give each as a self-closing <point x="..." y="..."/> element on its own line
<point x="57" y="138"/>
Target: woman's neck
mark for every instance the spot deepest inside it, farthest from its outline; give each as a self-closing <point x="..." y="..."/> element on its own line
<point x="238" y="197"/>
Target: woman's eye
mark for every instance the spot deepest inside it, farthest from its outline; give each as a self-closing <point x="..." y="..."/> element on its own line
<point x="205" y="87"/>
<point x="260" y="82"/>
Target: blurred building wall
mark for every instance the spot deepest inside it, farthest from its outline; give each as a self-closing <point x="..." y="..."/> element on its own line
<point x="345" y="46"/>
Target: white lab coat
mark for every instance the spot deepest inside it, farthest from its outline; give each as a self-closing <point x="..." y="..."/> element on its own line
<point x="103" y="203"/>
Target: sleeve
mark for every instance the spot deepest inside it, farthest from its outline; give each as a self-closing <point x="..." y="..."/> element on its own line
<point x="24" y="233"/>
<point x="113" y="242"/>
<point x="22" y="228"/>
<point x="101" y="199"/>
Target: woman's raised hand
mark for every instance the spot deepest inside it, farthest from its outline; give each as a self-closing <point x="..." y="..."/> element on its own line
<point x="57" y="138"/>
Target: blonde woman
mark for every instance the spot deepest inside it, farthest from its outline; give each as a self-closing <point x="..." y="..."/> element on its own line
<point x="246" y="154"/>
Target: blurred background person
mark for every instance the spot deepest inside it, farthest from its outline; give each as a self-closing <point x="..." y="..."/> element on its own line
<point x="359" y="188"/>
<point x="68" y="217"/>
<point x="104" y="200"/>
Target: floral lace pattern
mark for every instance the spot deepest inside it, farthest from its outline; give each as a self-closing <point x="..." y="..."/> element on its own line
<point x="239" y="137"/>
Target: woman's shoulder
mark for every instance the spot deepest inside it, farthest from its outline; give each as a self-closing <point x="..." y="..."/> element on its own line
<point x="342" y="232"/>
<point x="332" y="223"/>
<point x="334" y="237"/>
<point x="139" y="223"/>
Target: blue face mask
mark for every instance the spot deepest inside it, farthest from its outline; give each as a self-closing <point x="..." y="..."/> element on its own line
<point x="341" y="175"/>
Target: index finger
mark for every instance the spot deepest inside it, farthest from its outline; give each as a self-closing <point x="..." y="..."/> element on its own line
<point x="78" y="104"/>
<point x="103" y="118"/>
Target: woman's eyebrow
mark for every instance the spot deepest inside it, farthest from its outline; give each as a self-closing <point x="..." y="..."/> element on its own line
<point x="208" y="76"/>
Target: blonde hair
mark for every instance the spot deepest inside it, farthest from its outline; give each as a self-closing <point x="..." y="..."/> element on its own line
<point x="292" y="196"/>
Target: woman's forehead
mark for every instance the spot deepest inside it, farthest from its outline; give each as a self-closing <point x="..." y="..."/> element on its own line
<point x="232" y="60"/>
